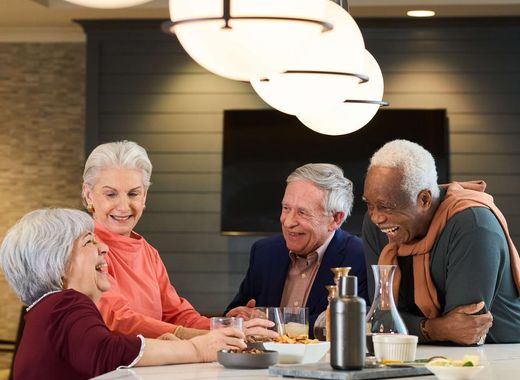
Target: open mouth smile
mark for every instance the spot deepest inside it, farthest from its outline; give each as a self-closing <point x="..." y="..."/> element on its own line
<point x="102" y="267"/>
<point x="121" y="218"/>
<point x="389" y="230"/>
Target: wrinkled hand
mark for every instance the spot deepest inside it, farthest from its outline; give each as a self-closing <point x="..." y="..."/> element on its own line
<point x="461" y="325"/>
<point x="168" y="336"/>
<point x="243" y="311"/>
<point x="182" y="332"/>
<point x="208" y="345"/>
<point x="260" y="327"/>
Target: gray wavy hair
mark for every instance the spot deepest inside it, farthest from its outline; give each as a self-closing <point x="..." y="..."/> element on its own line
<point x="329" y="177"/>
<point x="36" y="250"/>
<point x="417" y="164"/>
<point x="124" y="154"/>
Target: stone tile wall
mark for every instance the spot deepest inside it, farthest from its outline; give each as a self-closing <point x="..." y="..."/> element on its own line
<point x="42" y="92"/>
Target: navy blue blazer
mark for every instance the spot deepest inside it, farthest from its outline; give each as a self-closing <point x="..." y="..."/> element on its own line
<point x="269" y="261"/>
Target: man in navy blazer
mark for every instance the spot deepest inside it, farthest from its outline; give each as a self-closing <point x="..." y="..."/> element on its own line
<point x="293" y="269"/>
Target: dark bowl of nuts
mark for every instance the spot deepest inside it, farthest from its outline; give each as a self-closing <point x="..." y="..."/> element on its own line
<point x="249" y="358"/>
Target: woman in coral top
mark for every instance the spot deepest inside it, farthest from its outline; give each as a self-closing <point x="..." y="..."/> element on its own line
<point x="141" y="299"/>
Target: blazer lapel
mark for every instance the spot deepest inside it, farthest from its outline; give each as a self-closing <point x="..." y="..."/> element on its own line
<point x="276" y="280"/>
<point x="331" y="259"/>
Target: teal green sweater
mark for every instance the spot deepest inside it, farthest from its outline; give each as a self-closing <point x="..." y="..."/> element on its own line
<point x="469" y="263"/>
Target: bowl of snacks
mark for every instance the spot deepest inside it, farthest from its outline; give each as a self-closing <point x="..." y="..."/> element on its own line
<point x="454" y="369"/>
<point x="298" y="350"/>
<point x="249" y="358"/>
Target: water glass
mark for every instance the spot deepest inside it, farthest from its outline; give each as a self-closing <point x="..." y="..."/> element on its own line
<point x="296" y="321"/>
<point x="258" y="312"/>
<point x="275" y="314"/>
<point x="222" y="322"/>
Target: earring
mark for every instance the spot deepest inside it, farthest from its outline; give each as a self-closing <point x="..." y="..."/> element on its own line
<point x="90" y="208"/>
<point x="144" y="206"/>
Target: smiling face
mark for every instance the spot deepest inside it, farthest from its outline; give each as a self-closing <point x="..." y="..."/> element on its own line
<point x="87" y="270"/>
<point x="305" y="225"/>
<point x="118" y="197"/>
<point x="391" y="209"/>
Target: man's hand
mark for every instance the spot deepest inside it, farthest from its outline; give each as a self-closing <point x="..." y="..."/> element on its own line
<point x="461" y="325"/>
<point x="243" y="311"/>
<point x="259" y="327"/>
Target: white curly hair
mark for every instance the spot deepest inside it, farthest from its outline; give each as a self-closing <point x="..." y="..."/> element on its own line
<point x="417" y="164"/>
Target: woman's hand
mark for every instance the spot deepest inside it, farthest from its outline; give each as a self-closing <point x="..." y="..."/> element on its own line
<point x="260" y="327"/>
<point x="216" y="340"/>
<point x="167" y="336"/>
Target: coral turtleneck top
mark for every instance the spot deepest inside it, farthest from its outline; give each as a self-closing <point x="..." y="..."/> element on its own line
<point x="141" y="299"/>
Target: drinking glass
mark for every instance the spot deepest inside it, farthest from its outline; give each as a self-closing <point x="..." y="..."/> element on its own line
<point x="258" y="312"/>
<point x="222" y="322"/>
<point x="275" y="314"/>
<point x="296" y="321"/>
<point x="383" y="316"/>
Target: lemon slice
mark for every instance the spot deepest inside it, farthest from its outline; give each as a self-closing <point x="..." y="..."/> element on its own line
<point x="474" y="359"/>
<point x="388" y="361"/>
<point x="440" y="362"/>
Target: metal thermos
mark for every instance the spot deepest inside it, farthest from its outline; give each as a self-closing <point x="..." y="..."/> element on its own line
<point x="347" y="340"/>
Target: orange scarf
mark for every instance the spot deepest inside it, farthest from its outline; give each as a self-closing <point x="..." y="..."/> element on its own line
<point x="459" y="197"/>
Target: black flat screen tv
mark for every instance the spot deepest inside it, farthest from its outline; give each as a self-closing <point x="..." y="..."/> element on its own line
<point x="262" y="147"/>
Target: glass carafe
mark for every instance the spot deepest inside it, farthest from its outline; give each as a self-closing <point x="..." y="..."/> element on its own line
<point x="383" y="317"/>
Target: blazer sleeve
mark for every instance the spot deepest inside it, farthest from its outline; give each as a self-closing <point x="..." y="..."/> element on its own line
<point x="245" y="292"/>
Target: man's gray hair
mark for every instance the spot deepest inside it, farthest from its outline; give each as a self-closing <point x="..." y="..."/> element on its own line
<point x="123" y="154"/>
<point x="338" y="189"/>
<point x="36" y="250"/>
<point x="416" y="163"/>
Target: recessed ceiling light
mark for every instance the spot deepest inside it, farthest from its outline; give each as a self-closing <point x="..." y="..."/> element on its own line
<point x="420" y="13"/>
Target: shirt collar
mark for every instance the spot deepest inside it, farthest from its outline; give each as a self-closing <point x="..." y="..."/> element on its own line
<point x="321" y="249"/>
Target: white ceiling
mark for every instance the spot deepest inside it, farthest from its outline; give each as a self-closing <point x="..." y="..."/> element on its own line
<point x="55" y="16"/>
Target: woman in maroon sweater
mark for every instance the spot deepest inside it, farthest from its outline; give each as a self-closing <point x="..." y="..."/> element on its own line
<point x="54" y="264"/>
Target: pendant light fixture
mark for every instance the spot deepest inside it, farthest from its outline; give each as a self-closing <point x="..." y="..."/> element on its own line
<point x="108" y="3"/>
<point x="328" y="72"/>
<point x="246" y="39"/>
<point x="354" y="113"/>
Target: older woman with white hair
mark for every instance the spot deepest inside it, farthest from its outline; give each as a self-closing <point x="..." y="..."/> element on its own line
<point x="55" y="265"/>
<point x="141" y="300"/>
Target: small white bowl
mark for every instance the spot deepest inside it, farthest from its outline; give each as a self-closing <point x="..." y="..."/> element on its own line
<point x="454" y="373"/>
<point x="298" y="353"/>
<point x="395" y="347"/>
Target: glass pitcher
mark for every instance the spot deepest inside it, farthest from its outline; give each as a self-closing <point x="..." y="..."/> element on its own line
<point x="383" y="317"/>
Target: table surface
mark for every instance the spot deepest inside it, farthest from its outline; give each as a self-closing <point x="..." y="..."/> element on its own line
<point x="501" y="362"/>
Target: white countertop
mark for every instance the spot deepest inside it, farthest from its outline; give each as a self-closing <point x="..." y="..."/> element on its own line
<point x="501" y="361"/>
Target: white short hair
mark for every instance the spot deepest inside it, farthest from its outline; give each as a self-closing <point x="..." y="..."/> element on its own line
<point x="416" y="163"/>
<point x="329" y="177"/>
<point x="124" y="154"/>
<point x="36" y="250"/>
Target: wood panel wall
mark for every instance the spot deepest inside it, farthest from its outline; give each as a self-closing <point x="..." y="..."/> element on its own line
<point x="142" y="86"/>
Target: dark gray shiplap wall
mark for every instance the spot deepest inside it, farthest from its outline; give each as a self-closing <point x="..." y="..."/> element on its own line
<point x="143" y="87"/>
